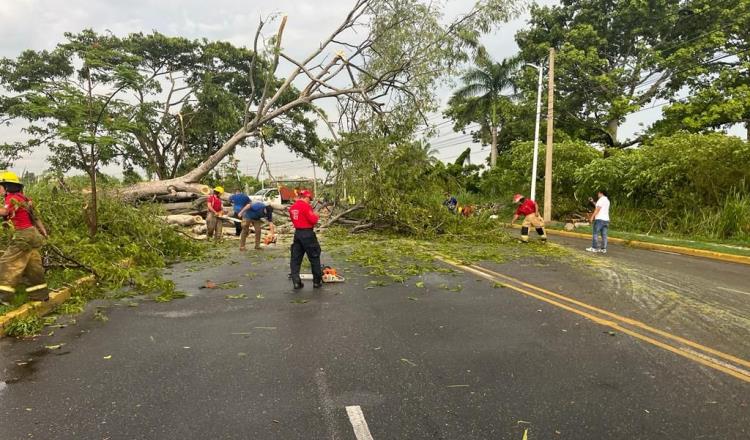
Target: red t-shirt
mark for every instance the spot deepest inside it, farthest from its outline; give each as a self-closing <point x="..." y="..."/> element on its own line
<point x="17" y="214"/>
<point x="215" y="202"/>
<point x="302" y="215"/>
<point x="527" y="207"/>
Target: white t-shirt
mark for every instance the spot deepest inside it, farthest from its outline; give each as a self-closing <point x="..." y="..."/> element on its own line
<point x="603" y="205"/>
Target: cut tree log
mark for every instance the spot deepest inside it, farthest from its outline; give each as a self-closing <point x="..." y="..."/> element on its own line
<point x="184" y="220"/>
<point x="177" y="197"/>
<point x="182" y="206"/>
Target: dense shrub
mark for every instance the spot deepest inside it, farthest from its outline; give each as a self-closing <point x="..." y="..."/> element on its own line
<point x="513" y="173"/>
<point x="681" y="171"/>
<point x="135" y="234"/>
<point x="690" y="184"/>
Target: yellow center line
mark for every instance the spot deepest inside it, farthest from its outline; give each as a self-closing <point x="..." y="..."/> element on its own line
<point x="728" y="369"/>
<point x="625" y="320"/>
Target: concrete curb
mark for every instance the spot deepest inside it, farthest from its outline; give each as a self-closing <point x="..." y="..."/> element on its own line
<point x="713" y="255"/>
<point x="42" y="308"/>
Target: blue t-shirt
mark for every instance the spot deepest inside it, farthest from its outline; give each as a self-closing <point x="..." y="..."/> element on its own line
<point x="239" y="201"/>
<point x="451" y="203"/>
<point x="256" y="212"/>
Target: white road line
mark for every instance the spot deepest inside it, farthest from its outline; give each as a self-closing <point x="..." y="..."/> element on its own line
<point x="733" y="290"/>
<point x="361" y="431"/>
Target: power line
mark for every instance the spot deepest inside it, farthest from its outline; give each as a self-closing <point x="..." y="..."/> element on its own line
<point x="472" y="126"/>
<point x="713" y="60"/>
<point x="447" y="141"/>
<point x="422" y="130"/>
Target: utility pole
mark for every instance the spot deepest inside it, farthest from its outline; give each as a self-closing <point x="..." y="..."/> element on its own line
<point x="550" y="138"/>
<point x="536" y="131"/>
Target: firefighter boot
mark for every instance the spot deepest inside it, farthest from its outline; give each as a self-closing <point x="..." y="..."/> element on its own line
<point x="6" y="295"/>
<point x="297" y="282"/>
<point x="542" y="234"/>
<point x="524" y="234"/>
<point x="38" y="293"/>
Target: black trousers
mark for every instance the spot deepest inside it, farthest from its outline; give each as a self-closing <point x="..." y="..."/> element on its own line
<point x="237" y="225"/>
<point x="306" y="242"/>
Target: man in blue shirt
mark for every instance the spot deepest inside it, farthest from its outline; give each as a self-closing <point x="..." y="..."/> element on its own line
<point x="252" y="215"/>
<point x="450" y="202"/>
<point x="238" y="200"/>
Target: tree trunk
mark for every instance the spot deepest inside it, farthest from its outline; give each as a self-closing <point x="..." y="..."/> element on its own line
<point x="612" y="127"/>
<point x="92" y="209"/>
<point x="493" y="152"/>
<point x="188" y="182"/>
<point x="747" y="130"/>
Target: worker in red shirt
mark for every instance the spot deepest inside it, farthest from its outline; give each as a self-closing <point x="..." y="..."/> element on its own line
<point x="304" y="220"/>
<point x="530" y="210"/>
<point x="215" y="206"/>
<point x="22" y="259"/>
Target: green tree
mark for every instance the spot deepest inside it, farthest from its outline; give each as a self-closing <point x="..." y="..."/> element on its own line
<point x="717" y="78"/>
<point x="191" y="98"/>
<point x="481" y="100"/>
<point x="70" y="99"/>
<point x="614" y="58"/>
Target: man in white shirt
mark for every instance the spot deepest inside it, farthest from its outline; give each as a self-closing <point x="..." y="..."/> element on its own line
<point x="600" y="220"/>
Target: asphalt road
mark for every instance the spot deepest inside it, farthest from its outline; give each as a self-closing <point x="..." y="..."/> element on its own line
<point x="707" y="300"/>
<point x="477" y="361"/>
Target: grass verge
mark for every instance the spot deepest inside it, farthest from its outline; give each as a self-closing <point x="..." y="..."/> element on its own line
<point x="731" y="248"/>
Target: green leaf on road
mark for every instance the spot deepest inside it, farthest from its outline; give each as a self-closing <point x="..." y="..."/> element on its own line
<point x="408" y="362"/>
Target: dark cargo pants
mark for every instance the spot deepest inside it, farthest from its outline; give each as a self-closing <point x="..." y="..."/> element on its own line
<point x="306" y="242"/>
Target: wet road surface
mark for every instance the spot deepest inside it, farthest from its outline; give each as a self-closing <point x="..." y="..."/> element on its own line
<point x="461" y="358"/>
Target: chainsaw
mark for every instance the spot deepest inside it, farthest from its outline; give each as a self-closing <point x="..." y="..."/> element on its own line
<point x="329" y="276"/>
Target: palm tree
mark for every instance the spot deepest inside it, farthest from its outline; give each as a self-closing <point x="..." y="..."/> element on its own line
<point x="481" y="98"/>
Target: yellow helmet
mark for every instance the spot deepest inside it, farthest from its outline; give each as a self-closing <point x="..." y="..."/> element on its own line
<point x="219" y="189"/>
<point x="9" y="177"/>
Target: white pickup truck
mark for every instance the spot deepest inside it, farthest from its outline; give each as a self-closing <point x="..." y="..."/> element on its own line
<point x="270" y="196"/>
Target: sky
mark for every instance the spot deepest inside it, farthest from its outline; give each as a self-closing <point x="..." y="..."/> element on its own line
<point x="40" y="24"/>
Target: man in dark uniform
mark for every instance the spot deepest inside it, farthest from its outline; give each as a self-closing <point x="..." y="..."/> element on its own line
<point x="304" y="220"/>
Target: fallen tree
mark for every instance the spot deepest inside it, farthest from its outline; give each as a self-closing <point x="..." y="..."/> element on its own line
<point x="391" y="66"/>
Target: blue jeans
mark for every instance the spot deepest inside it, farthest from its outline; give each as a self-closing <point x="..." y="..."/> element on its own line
<point x="600" y="227"/>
